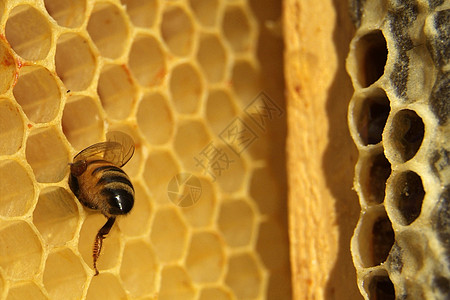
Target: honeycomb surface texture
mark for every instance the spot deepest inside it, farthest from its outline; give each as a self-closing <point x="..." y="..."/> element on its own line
<point x="183" y="78"/>
<point x="399" y="120"/>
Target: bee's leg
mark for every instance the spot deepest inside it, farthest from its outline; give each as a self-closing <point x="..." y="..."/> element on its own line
<point x="99" y="240"/>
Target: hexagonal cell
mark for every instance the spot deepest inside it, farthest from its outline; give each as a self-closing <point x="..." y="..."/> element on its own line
<point x="105" y="286"/>
<point x="25" y="290"/>
<point x="28" y="32"/>
<point x="373" y="237"/>
<point x="11" y="128"/>
<point x="246" y="81"/>
<point x="380" y="287"/>
<point x="82" y="121"/>
<point x="405" y="135"/>
<point x="155" y="119"/>
<point x="220" y="110"/>
<point x="265" y="191"/>
<point x="117" y="91"/>
<point x="370" y="52"/>
<point x="108" y="29"/>
<point x="47" y="155"/>
<point x="406" y="190"/>
<point x="371" y="114"/>
<point x="212" y="57"/>
<point x="201" y="214"/>
<point x="160" y="168"/>
<point x="139" y="268"/>
<point x="373" y="177"/>
<point x="111" y="250"/>
<point x="236" y="28"/>
<point x="273" y="244"/>
<point x="67" y="13"/>
<point x="142" y="13"/>
<point x="206" y="11"/>
<point x="16" y="188"/>
<point x="236" y="222"/>
<point x="147" y="61"/>
<point x="244" y="276"/>
<point x="218" y="293"/>
<point x="64" y="275"/>
<point x="175" y="284"/>
<point x="205" y="257"/>
<point x="168" y="235"/>
<point x="38" y="93"/>
<point x="74" y="61"/>
<point x="20" y="250"/>
<point x="230" y="172"/>
<point x="177" y="30"/>
<point x="56" y="215"/>
<point x="137" y="222"/>
<point x="186" y="88"/>
<point x="7" y="68"/>
<point x="190" y="139"/>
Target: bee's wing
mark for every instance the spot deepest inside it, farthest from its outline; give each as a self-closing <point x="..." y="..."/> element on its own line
<point x="118" y="149"/>
<point x="123" y="148"/>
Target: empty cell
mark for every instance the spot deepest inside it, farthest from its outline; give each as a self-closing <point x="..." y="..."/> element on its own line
<point x="67" y="13"/>
<point x="7" y="67"/>
<point x="47" y="154"/>
<point x="219" y="293"/>
<point x="230" y="171"/>
<point x="20" y="250"/>
<point x="246" y="81"/>
<point x="155" y="119"/>
<point x="105" y="286"/>
<point x="266" y="10"/>
<point x="168" y="235"/>
<point x="177" y="30"/>
<point x="147" y="61"/>
<point x="370" y="52"/>
<point x="205" y="258"/>
<point x="190" y="139"/>
<point x="236" y="28"/>
<point x="375" y="237"/>
<point x="159" y="170"/>
<point x="38" y="94"/>
<point x="56" y="215"/>
<point x="139" y="268"/>
<point x="206" y="11"/>
<point x="11" y="128"/>
<point x="82" y="122"/>
<point x="111" y="250"/>
<point x="406" y="134"/>
<point x="142" y="13"/>
<point x="265" y="191"/>
<point x="108" y="29"/>
<point x="236" y="222"/>
<point x="186" y="88"/>
<point x="117" y="91"/>
<point x="381" y="288"/>
<point x="16" y="189"/>
<point x="371" y="117"/>
<point x="202" y="213"/>
<point x="75" y="61"/>
<point x="407" y="196"/>
<point x="220" y="110"/>
<point x="212" y="58"/>
<point x="64" y="275"/>
<point x="28" y="32"/>
<point x="175" y="284"/>
<point x="137" y="222"/>
<point x="373" y="178"/>
<point x="244" y="276"/>
<point x="25" y="290"/>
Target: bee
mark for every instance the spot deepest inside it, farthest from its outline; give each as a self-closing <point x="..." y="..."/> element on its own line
<point x="99" y="183"/>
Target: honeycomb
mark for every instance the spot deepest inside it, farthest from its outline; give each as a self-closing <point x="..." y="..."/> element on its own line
<point x="399" y="120"/>
<point x="188" y="80"/>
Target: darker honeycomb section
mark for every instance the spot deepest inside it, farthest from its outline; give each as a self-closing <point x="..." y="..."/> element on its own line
<point x="372" y="118"/>
<point x="382" y="239"/>
<point x="440" y="96"/>
<point x="442" y="221"/>
<point x="381" y="288"/>
<point x="408" y="196"/>
<point x="375" y="183"/>
<point x="407" y="133"/>
<point x="371" y="55"/>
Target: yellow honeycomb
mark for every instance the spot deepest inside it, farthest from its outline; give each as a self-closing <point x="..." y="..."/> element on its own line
<point x="183" y="78"/>
<point x="399" y="120"/>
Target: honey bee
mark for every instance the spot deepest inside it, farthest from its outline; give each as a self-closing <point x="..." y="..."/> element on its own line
<point x="99" y="183"/>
